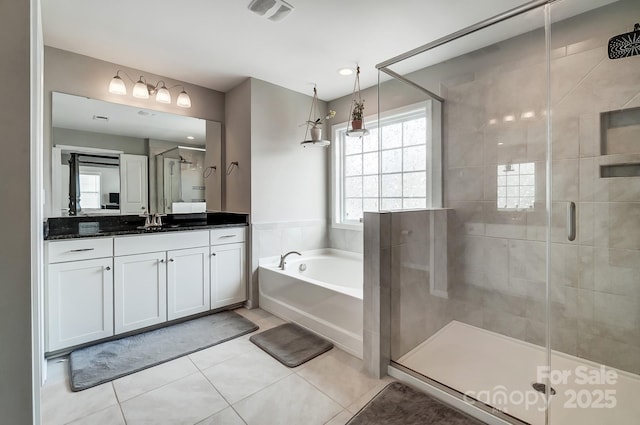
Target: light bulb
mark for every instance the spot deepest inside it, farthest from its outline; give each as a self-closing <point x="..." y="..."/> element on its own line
<point x="116" y="86"/>
<point x="163" y="95"/>
<point x="184" y="101"/>
<point x="140" y="90"/>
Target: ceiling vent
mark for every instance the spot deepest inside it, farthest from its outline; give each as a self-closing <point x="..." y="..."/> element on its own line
<point x="274" y="10"/>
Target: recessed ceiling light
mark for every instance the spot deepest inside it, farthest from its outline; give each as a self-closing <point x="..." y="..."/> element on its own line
<point x="345" y="71"/>
<point x="190" y="137"/>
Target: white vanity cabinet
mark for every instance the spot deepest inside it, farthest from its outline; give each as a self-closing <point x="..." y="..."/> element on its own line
<point x="140" y="291"/>
<point x="167" y="277"/>
<point x="79" y="292"/>
<point x="100" y="287"/>
<point x="228" y="266"/>
<point x="187" y="282"/>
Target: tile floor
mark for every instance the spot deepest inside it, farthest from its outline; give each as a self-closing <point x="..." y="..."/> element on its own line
<point x="230" y="383"/>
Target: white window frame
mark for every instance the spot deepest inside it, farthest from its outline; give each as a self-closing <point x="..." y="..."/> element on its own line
<point x="100" y="190"/>
<point x="433" y="112"/>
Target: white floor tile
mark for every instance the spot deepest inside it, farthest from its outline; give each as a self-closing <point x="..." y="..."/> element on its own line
<point x="341" y="418"/>
<point x="60" y="405"/>
<point x="209" y="357"/>
<point x="183" y="402"/>
<point x="289" y="401"/>
<point x="109" y="416"/>
<point x="364" y="399"/>
<point x="245" y="374"/>
<point x="340" y="376"/>
<point x="253" y="315"/>
<point x="146" y="380"/>
<point x="227" y="417"/>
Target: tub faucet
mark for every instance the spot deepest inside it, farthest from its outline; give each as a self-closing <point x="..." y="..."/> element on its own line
<point x="284" y="257"/>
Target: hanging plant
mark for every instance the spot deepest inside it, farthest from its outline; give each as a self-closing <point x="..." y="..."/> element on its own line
<point x="358" y="110"/>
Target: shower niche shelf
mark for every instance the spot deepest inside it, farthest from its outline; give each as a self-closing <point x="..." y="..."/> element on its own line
<point x="620" y="170"/>
<point x="620" y="132"/>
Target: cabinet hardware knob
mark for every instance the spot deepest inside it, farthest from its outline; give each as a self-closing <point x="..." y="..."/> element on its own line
<point x="213" y="254"/>
<point x="162" y="261"/>
<point x="108" y="268"/>
<point x="171" y="259"/>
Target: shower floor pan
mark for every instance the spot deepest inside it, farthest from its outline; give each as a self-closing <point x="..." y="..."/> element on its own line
<point x="500" y="371"/>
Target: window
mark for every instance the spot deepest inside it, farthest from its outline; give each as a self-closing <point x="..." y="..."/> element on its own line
<point x="516" y="186"/>
<point x="90" y="190"/>
<point x="391" y="174"/>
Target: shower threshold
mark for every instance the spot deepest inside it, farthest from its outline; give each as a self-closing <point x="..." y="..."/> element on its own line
<point x="501" y="371"/>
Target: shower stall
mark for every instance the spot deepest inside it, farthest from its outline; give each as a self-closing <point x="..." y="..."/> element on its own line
<point x="518" y="291"/>
<point x="180" y="180"/>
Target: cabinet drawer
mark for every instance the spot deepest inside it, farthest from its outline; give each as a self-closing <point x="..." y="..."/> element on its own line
<point x="228" y="235"/>
<point x="79" y="249"/>
<point x="139" y="244"/>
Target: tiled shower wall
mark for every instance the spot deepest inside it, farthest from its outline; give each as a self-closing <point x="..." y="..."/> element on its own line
<point x="496" y="116"/>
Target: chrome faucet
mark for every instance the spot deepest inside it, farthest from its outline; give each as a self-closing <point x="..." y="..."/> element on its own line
<point x="284" y="257"/>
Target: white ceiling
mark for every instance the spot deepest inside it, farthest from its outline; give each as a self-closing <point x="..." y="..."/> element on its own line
<point x="219" y="43"/>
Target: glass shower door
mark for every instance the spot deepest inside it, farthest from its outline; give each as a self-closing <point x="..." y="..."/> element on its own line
<point x="483" y="336"/>
<point x="595" y="245"/>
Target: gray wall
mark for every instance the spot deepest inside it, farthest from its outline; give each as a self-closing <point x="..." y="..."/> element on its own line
<point x="237" y="187"/>
<point x="80" y="75"/>
<point x="16" y="401"/>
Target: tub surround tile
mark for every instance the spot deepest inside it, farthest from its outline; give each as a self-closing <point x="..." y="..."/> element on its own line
<point x="186" y="401"/>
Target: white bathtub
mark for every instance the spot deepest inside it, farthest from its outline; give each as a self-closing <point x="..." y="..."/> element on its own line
<point x="326" y="297"/>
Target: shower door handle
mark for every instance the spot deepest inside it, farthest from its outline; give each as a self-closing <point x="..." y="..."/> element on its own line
<point x="571" y="221"/>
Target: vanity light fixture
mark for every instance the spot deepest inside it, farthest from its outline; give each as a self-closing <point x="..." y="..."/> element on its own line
<point x="143" y="90"/>
<point x="345" y="71"/>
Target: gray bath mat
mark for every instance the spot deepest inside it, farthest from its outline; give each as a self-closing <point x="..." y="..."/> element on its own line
<point x="399" y="404"/>
<point x="107" y="361"/>
<point x="291" y="344"/>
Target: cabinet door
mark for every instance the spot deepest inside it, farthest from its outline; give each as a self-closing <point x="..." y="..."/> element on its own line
<point x="79" y="300"/>
<point x="133" y="184"/>
<point x="228" y="274"/>
<point x="187" y="282"/>
<point x="140" y="291"/>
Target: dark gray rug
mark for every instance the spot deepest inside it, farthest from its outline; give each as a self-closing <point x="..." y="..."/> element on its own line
<point x="107" y="361"/>
<point x="291" y="344"/>
<point x="399" y="404"/>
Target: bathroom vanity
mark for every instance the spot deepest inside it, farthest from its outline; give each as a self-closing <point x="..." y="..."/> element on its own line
<point x="109" y="276"/>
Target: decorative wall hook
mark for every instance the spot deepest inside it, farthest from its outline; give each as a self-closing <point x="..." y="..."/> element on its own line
<point x="231" y="167"/>
<point x="209" y="170"/>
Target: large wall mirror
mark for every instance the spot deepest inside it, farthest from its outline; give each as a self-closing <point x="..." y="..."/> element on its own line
<point x="116" y="159"/>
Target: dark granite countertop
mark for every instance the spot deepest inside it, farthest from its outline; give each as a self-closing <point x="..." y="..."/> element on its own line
<point x="101" y="226"/>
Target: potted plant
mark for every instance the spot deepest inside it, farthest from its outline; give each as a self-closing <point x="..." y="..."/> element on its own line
<point x="316" y="126"/>
<point x="356" y="114"/>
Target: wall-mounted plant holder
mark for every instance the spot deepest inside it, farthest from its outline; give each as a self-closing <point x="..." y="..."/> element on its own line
<point x="620" y="132"/>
